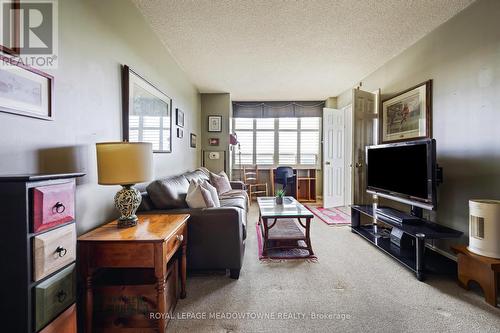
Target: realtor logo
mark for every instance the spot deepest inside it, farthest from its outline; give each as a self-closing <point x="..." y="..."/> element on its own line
<point x="29" y="31"/>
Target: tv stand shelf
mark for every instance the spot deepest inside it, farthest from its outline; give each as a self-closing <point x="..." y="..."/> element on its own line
<point x="414" y="258"/>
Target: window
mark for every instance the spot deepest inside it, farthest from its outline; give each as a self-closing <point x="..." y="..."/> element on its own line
<point x="280" y="141"/>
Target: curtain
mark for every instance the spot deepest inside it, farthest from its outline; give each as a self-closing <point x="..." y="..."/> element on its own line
<point x="278" y="109"/>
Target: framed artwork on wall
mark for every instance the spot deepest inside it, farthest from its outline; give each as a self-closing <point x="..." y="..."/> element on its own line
<point x="192" y="140"/>
<point x="408" y="115"/>
<point x="11" y="26"/>
<point x="24" y="90"/>
<point x="179" y="117"/>
<point x="147" y="112"/>
<point x="215" y="123"/>
<point x="213" y="141"/>
<point x="180" y="133"/>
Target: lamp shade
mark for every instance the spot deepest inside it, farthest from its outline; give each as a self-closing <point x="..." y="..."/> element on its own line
<point x="124" y="163"/>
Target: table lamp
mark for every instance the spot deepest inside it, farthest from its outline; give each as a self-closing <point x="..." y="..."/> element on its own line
<point x="125" y="164"/>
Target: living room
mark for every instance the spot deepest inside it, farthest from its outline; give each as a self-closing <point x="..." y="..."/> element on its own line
<point x="248" y="92"/>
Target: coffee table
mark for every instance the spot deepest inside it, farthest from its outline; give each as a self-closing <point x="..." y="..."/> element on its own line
<point x="283" y="225"/>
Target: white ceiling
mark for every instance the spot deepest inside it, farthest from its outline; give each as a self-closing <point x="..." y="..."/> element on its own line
<point x="289" y="50"/>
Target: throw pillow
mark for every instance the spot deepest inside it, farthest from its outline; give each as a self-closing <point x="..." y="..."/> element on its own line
<point x="198" y="197"/>
<point x="220" y="182"/>
<point x="213" y="191"/>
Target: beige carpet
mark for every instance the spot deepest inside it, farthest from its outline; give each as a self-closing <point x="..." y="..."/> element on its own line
<point x="356" y="287"/>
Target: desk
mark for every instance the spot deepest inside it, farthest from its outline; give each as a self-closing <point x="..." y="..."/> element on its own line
<point x="150" y="245"/>
<point x="305" y="184"/>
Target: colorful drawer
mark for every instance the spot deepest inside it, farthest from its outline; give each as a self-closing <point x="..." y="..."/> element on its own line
<point x="54" y="295"/>
<point x="65" y="322"/>
<point x="53" y="205"/>
<point x="53" y="250"/>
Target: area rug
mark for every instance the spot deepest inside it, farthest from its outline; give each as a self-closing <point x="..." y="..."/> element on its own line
<point x="331" y="216"/>
<point x="277" y="255"/>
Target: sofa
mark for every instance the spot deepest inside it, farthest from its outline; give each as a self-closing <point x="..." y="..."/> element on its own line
<point x="216" y="236"/>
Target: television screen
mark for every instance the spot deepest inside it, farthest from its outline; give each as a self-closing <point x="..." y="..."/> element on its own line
<point x="402" y="170"/>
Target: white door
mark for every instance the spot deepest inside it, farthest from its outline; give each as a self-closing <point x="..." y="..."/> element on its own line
<point x="364" y="134"/>
<point x="348" y="197"/>
<point x="333" y="158"/>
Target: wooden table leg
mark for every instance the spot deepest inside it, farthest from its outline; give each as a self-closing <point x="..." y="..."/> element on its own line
<point x="183" y="267"/>
<point x="89" y="302"/>
<point x="308" y="236"/>
<point x="161" y="276"/>
<point x="264" y="237"/>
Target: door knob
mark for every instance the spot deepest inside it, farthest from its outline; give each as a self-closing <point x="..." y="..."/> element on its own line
<point x="359" y="165"/>
<point x="327" y="163"/>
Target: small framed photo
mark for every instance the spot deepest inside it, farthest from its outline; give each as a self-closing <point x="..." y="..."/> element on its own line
<point x="213" y="141"/>
<point x="179" y="117"/>
<point x="180" y="133"/>
<point x="192" y="140"/>
<point x="215" y="123"/>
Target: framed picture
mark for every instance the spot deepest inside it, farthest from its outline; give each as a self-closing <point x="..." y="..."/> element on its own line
<point x="147" y="112"/>
<point x="179" y="117"/>
<point x="408" y="115"/>
<point x="213" y="141"/>
<point x="24" y="90"/>
<point x="215" y="123"/>
<point x="192" y="141"/>
<point x="11" y="27"/>
<point x="180" y="133"/>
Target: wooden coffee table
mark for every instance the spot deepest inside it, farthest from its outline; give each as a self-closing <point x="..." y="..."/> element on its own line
<point x="283" y="226"/>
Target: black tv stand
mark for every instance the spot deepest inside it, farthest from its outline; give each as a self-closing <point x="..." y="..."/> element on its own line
<point x="413" y="256"/>
<point x="417" y="211"/>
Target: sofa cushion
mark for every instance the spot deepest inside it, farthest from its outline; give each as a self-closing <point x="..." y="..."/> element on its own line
<point x="237" y="202"/>
<point x="197" y="175"/>
<point x="169" y="193"/>
<point x="220" y="182"/>
<point x="234" y="194"/>
<point x="213" y="192"/>
<point x="198" y="196"/>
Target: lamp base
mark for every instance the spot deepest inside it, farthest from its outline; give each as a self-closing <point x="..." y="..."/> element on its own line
<point x="127" y="200"/>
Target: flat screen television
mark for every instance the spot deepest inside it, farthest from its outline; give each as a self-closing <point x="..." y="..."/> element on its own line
<point x="404" y="172"/>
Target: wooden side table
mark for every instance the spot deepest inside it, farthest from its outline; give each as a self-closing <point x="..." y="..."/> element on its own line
<point x="150" y="245"/>
<point x="483" y="270"/>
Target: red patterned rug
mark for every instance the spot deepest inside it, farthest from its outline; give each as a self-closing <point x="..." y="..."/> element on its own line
<point x="276" y="255"/>
<point x="331" y="216"/>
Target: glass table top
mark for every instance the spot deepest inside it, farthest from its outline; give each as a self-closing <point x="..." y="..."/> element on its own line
<point x="290" y="208"/>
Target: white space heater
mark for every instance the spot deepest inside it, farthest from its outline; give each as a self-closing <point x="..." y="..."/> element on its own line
<point x="484" y="227"/>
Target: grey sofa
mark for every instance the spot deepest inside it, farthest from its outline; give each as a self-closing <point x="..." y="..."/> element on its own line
<point x="216" y="236"/>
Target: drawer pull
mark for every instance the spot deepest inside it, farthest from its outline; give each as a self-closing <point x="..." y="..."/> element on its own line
<point x="61" y="296"/>
<point x="59" y="208"/>
<point x="61" y="251"/>
<point x="180" y="238"/>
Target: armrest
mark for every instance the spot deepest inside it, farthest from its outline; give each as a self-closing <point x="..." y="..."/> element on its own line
<point x="238" y="185"/>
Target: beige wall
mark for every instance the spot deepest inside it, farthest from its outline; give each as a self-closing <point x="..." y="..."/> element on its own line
<point x="216" y="105"/>
<point x="463" y="58"/>
<point x="95" y="38"/>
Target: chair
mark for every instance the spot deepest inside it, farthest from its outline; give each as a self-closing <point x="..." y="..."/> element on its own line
<point x="251" y="180"/>
<point x="284" y="175"/>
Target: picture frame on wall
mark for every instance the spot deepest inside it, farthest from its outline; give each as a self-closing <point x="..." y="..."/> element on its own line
<point x="11" y="36"/>
<point x="213" y="141"/>
<point x="215" y="123"/>
<point x="192" y="140"/>
<point x="179" y="117"/>
<point x="147" y="112"/>
<point x="407" y="115"/>
<point x="180" y="133"/>
<point x="26" y="91"/>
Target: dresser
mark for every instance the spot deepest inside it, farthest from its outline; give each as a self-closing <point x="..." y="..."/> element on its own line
<point x="132" y="275"/>
<point x="38" y="243"/>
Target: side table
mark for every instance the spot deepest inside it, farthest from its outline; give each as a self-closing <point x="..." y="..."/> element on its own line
<point x="149" y="245"/>
<point x="483" y="270"/>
